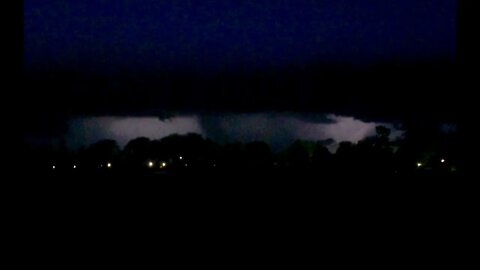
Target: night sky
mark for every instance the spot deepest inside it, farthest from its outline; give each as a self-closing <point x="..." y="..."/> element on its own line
<point x="112" y="59"/>
<point x="206" y="36"/>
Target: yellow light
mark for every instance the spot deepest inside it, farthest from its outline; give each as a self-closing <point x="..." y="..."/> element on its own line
<point x="109" y="165"/>
<point x="419" y="164"/>
<point x="150" y="164"/>
<point x="164" y="164"/>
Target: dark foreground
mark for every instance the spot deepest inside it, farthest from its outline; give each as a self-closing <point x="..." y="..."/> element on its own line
<point x="255" y="212"/>
<point x="276" y="186"/>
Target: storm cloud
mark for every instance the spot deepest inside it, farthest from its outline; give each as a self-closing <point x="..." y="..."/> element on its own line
<point x="279" y="130"/>
<point x="112" y="67"/>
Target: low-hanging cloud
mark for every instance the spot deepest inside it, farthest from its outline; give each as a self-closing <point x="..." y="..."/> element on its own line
<point x="84" y="131"/>
<point x="277" y="129"/>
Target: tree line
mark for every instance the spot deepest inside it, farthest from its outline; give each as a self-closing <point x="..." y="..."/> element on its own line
<point x="376" y="155"/>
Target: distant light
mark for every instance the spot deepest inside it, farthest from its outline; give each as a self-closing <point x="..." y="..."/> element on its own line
<point x="109" y="165"/>
<point x="419" y="164"/>
<point x="53" y="167"/>
<point x="186" y="165"/>
<point x="443" y="160"/>
<point x="181" y="157"/>
<point x="150" y="164"/>
<point x="74" y="166"/>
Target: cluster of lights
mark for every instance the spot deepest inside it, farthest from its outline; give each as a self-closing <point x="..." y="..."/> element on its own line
<point x="151" y="164"/>
<point x="164" y="164"/>
<point x="74" y="166"/>
<point x="419" y="164"/>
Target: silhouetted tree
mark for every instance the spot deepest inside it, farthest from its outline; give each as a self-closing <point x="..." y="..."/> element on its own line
<point x="104" y="149"/>
<point x="345" y="158"/>
<point x="258" y="155"/>
<point x="232" y="155"/>
<point x="321" y="158"/>
<point x="137" y="152"/>
<point x="297" y="155"/>
<point x="383" y="132"/>
<point x="190" y="150"/>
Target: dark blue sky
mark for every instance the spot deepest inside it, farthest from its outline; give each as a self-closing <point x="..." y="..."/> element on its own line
<point x="102" y="35"/>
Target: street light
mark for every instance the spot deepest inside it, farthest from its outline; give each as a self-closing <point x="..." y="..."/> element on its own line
<point x="443" y="160"/>
<point x="109" y="165"/>
<point x="150" y="164"/>
<point x="419" y="164"/>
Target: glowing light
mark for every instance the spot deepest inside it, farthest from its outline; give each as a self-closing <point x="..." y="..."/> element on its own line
<point x="150" y="164"/>
<point x="109" y="165"/>
<point x="74" y="166"/>
<point x="181" y="157"/>
<point x="53" y="167"/>
<point x="419" y="164"/>
<point x="443" y="160"/>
